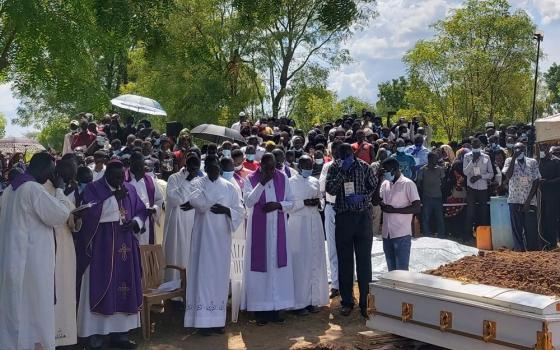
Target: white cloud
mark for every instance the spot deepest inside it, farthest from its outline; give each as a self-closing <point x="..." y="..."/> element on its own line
<point x="548" y="9"/>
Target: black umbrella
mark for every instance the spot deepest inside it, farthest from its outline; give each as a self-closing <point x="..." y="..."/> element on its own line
<point x="217" y="134"/>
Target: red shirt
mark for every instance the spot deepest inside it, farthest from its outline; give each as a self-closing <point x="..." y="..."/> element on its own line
<point x="251" y="165"/>
<point x="83" y="139"/>
<point x="363" y="151"/>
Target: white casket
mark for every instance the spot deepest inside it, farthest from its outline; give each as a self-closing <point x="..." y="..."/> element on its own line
<point x="461" y="316"/>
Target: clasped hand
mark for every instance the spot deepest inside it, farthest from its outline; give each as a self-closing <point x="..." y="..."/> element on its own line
<point x="386" y="208"/>
<point x="220" y="209"/>
<point x="186" y="206"/>
<point x="131" y="225"/>
<point x="313" y="202"/>
<point x="271" y="206"/>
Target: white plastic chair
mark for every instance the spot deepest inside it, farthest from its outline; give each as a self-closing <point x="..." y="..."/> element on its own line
<point x="236" y="276"/>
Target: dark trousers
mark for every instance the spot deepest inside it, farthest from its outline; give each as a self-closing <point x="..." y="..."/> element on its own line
<point x="353" y="234"/>
<point x="432" y="207"/>
<point x="267" y="316"/>
<point x="550" y="222"/>
<point x="524" y="228"/>
<point x="476" y="204"/>
<point x="397" y="252"/>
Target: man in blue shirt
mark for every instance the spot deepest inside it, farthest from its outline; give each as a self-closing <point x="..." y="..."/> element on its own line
<point x="418" y="152"/>
<point x="407" y="166"/>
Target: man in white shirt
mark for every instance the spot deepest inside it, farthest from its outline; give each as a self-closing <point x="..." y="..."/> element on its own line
<point x="98" y="168"/>
<point x="242" y="119"/>
<point x="68" y="138"/>
<point x="399" y="202"/>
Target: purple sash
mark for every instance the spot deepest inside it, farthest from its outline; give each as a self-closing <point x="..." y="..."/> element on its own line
<point x="20" y="180"/>
<point x="258" y="233"/>
<point x="151" y="189"/>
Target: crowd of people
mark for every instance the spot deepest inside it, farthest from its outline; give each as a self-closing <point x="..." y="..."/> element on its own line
<point x="72" y="222"/>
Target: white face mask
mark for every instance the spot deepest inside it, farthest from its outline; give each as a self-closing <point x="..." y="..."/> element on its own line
<point x="239" y="167"/>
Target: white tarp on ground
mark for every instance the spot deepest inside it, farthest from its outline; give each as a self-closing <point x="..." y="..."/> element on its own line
<point x="426" y="253"/>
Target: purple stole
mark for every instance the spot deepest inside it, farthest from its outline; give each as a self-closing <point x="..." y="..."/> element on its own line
<point x="258" y="233"/>
<point x="111" y="252"/>
<point x="239" y="180"/>
<point x="151" y="189"/>
<point x="20" y="180"/>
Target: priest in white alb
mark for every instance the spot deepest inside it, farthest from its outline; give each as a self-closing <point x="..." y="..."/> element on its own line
<point x="218" y="213"/>
<point x="179" y="217"/>
<point x="307" y="241"/>
<point x="28" y="215"/>
<point x="149" y="192"/>
<point x="269" y="278"/>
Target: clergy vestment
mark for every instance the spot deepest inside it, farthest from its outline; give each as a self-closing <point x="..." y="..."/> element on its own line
<point x="269" y="278"/>
<point x="108" y="262"/>
<point x="178" y="225"/>
<point x="28" y="215"/>
<point x="65" y="276"/>
<point x="208" y="270"/>
<point x="149" y="192"/>
<point x="307" y="245"/>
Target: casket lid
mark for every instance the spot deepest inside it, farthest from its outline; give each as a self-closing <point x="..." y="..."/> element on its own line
<point x="438" y="286"/>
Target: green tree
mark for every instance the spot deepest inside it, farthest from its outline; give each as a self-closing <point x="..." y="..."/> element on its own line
<point x="392" y="95"/>
<point x="52" y="134"/>
<point x="354" y="105"/>
<point x="552" y="78"/>
<point x="476" y="68"/>
<point x="288" y="35"/>
<point x="3" y="123"/>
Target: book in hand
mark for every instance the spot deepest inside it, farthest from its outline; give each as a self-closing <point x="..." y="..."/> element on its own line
<point x="82" y="207"/>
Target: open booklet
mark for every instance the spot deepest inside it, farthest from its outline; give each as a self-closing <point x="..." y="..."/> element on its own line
<point x="83" y="207"/>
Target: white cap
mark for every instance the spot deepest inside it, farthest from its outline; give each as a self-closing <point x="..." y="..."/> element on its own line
<point x="489" y="125"/>
<point x="241" y="114"/>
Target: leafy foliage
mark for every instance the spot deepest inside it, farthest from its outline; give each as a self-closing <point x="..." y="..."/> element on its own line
<point x="552" y="78"/>
<point x="3" y="123"/>
<point x="392" y="95"/>
<point x="477" y="68"/>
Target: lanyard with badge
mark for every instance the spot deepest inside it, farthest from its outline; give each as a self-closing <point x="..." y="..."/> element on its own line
<point x="523" y="179"/>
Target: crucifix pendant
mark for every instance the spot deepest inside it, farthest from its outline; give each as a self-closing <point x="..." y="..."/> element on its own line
<point x="122" y="213"/>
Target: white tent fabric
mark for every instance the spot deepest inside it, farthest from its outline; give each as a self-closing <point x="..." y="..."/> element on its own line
<point x="426" y="253"/>
<point x="548" y="129"/>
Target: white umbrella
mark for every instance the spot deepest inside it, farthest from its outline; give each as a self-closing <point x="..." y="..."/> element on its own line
<point x="139" y="104"/>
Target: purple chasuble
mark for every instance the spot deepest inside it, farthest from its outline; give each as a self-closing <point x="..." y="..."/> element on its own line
<point x="151" y="189"/>
<point x="111" y="252"/>
<point x="258" y="233"/>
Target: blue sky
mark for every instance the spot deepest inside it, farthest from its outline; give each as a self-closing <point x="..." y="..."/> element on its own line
<point x="377" y="50"/>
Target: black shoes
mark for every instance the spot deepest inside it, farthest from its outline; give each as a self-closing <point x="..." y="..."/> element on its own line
<point x="363" y="312"/>
<point x="334" y="293"/>
<point x="207" y="332"/>
<point x="313" y="309"/>
<point x="346" y="310"/>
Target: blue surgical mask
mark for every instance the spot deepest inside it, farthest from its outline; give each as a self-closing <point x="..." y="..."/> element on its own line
<point x="228" y="175"/>
<point x="319" y="161"/>
<point x="226" y="153"/>
<point x="476" y="150"/>
<point x="389" y="176"/>
<point x="510" y="145"/>
<point x="250" y="157"/>
<point x="306" y="173"/>
<point x="401" y="149"/>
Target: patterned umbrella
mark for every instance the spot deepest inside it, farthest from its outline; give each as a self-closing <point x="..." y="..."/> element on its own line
<point x="20" y="144"/>
<point x="139" y="104"/>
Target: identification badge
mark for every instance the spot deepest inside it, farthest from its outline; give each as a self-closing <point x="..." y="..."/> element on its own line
<point x="476" y="171"/>
<point x="525" y="181"/>
<point x="349" y="188"/>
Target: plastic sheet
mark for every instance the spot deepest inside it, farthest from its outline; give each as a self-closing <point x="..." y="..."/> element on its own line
<point x="426" y="253"/>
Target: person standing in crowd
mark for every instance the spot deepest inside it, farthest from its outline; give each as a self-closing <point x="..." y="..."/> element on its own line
<point x="150" y="193"/>
<point x="407" y="165"/>
<point x="242" y="119"/>
<point x="84" y="138"/>
<point x="241" y="172"/>
<point x="307" y="241"/>
<point x="99" y="159"/>
<point x="110" y="295"/>
<point x="29" y="214"/>
<point x="399" y="202"/>
<point x="429" y="184"/>
<point x="258" y="151"/>
<point x="363" y="149"/>
<point x="69" y="137"/>
<point x="218" y="213"/>
<point x="268" y="272"/>
<point x="330" y="220"/>
<point x="250" y="159"/>
<point x="377" y="168"/>
<point x="353" y="183"/>
<point x="179" y="217"/>
<point x="281" y="163"/>
<point x="550" y="190"/>
<point x="523" y="176"/>
<point x="418" y="152"/>
<point x="477" y="167"/>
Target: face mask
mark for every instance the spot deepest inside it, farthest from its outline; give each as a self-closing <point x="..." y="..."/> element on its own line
<point x="509" y="145"/>
<point x="239" y="167"/>
<point x="542" y="154"/>
<point x="389" y="176"/>
<point x="476" y="150"/>
<point x="401" y="149"/>
<point x="250" y="157"/>
<point x="226" y="153"/>
<point x="319" y="161"/>
<point x="388" y="153"/>
<point x="81" y="187"/>
<point x="228" y="175"/>
<point x="306" y="173"/>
